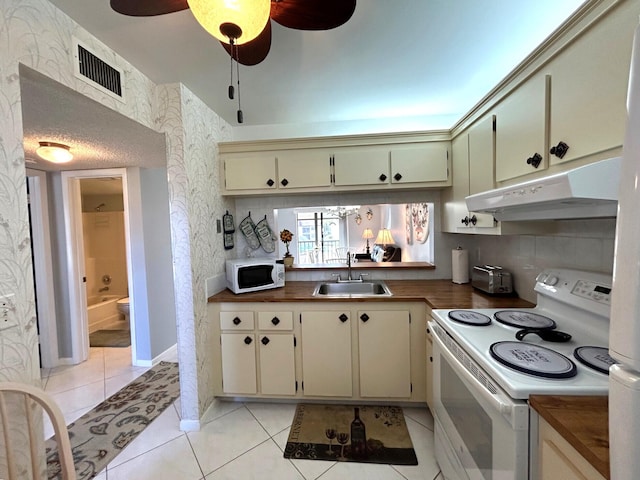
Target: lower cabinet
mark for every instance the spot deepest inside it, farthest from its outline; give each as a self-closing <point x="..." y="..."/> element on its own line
<point x="258" y="360"/>
<point x="313" y="350"/>
<point x="558" y="459"/>
<point x="326" y="354"/>
<point x="384" y="344"/>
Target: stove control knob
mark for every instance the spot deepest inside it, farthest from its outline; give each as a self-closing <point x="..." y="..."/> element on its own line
<point x="551" y="280"/>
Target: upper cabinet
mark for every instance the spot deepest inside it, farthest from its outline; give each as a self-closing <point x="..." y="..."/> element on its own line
<point x="344" y="165"/>
<point x="521" y="130"/>
<point x="589" y="89"/>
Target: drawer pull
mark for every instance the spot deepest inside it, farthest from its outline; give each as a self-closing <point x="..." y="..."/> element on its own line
<point x="248" y="340"/>
<point x="397" y="177"/>
<point x="264" y="340"/>
<point x="270" y="182"/>
<point x="343" y="318"/>
<point x="275" y="320"/>
<point x="236" y="321"/>
<point x="382" y="177"/>
<point x="364" y="317"/>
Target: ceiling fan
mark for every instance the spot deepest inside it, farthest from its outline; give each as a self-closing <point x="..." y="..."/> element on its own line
<point x="245" y="47"/>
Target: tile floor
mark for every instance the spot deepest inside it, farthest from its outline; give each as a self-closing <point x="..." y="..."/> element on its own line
<point x="237" y="441"/>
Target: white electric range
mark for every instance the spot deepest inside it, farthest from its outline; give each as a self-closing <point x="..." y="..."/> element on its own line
<point x="488" y="361"/>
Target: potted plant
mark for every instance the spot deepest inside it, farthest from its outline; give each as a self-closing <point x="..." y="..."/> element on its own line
<point x="286" y="236"/>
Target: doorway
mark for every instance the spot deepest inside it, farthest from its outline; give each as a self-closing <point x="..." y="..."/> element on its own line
<point x="80" y="287"/>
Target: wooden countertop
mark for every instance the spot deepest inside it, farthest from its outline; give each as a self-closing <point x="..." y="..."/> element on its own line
<point x="581" y="420"/>
<point x="436" y="293"/>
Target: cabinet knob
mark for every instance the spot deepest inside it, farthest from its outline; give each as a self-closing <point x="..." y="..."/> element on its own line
<point x="559" y="150"/>
<point x="397" y="177"/>
<point x="469" y="220"/>
<point x="264" y="340"/>
<point x="270" y="182"/>
<point x="343" y="318"/>
<point x="535" y="160"/>
<point x="275" y="320"/>
<point x="236" y="321"/>
<point x="248" y="340"/>
<point x="284" y="182"/>
<point x="382" y="177"/>
<point x="364" y="317"/>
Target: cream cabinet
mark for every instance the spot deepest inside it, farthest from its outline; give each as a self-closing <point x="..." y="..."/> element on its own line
<point x="358" y="166"/>
<point x="473" y="171"/>
<point x="558" y="459"/>
<point x="339" y="166"/>
<point x="384" y="344"/>
<point x="253" y="171"/>
<point x="326" y="353"/>
<point x="279" y="171"/>
<point x="429" y="377"/>
<point x="521" y="119"/>
<point x="320" y="350"/>
<point x="258" y="360"/>
<point x="424" y="163"/>
<point x="589" y="88"/>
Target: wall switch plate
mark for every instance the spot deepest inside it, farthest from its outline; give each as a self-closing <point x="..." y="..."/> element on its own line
<point x="7" y="312"/>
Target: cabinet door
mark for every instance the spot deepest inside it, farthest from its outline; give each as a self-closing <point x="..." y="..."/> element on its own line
<point x="385" y="354"/>
<point x="238" y="363"/>
<point x="455" y="208"/>
<point x="589" y="87"/>
<point x="304" y="169"/>
<point x="359" y="166"/>
<point x="430" y="371"/>
<point x="250" y="172"/>
<point x="482" y="164"/>
<point x="422" y="163"/>
<point x="326" y="354"/>
<point x="520" y="130"/>
<point x="277" y="364"/>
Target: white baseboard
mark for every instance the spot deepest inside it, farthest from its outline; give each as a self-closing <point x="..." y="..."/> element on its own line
<point x="170" y="354"/>
<point x="190" y="425"/>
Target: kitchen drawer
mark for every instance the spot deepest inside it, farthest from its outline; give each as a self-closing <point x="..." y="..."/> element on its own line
<point x="236" y="321"/>
<point x="275" y="320"/>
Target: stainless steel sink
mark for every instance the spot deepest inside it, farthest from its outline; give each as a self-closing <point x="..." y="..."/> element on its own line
<point x="352" y="289"/>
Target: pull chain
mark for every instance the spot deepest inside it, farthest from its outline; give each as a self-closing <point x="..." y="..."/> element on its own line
<point x="231" y="90"/>
<point x="239" y="113"/>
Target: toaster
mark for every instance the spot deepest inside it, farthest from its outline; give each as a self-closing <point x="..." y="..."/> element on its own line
<point x="491" y="279"/>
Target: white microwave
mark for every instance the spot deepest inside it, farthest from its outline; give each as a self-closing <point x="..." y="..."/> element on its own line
<point x="254" y="274"/>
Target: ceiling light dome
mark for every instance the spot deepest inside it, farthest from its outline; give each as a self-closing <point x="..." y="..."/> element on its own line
<point x="54" y="152"/>
<point x="240" y="20"/>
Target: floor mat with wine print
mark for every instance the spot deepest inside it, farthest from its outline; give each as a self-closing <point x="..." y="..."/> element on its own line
<point x="369" y="434"/>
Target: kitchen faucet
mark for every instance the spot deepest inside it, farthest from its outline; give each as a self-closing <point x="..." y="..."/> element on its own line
<point x="349" y="265"/>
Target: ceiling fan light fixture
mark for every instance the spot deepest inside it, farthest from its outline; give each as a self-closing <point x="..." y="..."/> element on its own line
<point x="54" y="152"/>
<point x="240" y="20"/>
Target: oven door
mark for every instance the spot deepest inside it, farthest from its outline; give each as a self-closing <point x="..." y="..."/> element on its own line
<point x="480" y="432"/>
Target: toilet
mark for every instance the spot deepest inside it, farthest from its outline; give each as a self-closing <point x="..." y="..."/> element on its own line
<point x="123" y="308"/>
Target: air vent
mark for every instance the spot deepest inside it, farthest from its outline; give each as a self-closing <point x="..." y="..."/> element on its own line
<point x="89" y="67"/>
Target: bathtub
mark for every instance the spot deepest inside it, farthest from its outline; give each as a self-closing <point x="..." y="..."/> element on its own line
<point x="103" y="312"/>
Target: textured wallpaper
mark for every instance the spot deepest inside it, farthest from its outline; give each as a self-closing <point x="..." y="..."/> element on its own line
<point x="36" y="34"/>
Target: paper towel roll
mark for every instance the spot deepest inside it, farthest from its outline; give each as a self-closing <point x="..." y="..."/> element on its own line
<point x="460" y="266"/>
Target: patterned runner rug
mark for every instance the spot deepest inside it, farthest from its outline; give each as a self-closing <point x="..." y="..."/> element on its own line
<point x="369" y="434"/>
<point x="101" y="434"/>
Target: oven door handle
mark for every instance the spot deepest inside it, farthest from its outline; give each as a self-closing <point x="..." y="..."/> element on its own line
<point x="500" y="401"/>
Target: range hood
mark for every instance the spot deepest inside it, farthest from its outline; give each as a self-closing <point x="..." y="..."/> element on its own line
<point x="589" y="191"/>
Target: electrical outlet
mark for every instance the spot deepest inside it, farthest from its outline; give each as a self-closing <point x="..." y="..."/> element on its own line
<point x="7" y="312"/>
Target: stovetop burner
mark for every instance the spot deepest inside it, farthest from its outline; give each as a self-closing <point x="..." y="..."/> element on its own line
<point x="533" y="360"/>
<point x="522" y="319"/>
<point x="597" y="358"/>
<point x="469" y="317"/>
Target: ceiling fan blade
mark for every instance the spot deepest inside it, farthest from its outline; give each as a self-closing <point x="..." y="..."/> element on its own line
<point x="312" y="14"/>
<point x="148" y="8"/>
<point x="255" y="51"/>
